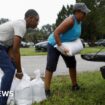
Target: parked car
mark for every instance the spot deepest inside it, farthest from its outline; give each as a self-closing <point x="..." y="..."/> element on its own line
<point x="30" y="44"/>
<point x="24" y="44"/>
<point x="100" y="42"/>
<point x="41" y="46"/>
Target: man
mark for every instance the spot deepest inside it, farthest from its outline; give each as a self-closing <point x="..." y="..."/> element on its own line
<point x="69" y="30"/>
<point x="11" y="34"/>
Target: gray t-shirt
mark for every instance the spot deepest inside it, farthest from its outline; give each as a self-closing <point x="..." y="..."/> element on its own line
<point x="11" y="28"/>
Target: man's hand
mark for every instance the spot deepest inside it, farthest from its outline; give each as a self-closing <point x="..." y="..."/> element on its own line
<point x="19" y="75"/>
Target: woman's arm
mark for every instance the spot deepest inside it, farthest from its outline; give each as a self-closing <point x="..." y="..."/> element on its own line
<point x="62" y="28"/>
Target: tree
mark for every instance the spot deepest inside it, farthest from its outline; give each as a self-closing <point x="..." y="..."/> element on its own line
<point x="34" y="35"/>
<point x="47" y="29"/>
<point x="65" y="12"/>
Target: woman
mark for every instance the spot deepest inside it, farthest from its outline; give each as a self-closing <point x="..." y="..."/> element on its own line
<point x="68" y="30"/>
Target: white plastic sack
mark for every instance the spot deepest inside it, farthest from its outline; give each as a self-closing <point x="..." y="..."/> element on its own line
<point x="38" y="90"/>
<point x="15" y="83"/>
<point x="23" y="93"/>
<point x="74" y="47"/>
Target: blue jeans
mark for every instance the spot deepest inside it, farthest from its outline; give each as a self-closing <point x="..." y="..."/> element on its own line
<point x="8" y="69"/>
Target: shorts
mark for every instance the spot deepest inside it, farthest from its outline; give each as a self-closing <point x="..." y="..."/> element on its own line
<point x="53" y="56"/>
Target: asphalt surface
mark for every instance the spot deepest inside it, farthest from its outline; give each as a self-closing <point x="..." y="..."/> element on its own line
<point x="32" y="63"/>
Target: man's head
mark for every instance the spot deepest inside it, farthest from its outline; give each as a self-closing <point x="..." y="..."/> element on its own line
<point x="32" y="18"/>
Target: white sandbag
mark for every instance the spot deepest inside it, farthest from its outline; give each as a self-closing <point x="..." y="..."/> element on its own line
<point x="11" y="102"/>
<point x="15" y="83"/>
<point x="74" y="47"/>
<point x="38" y="90"/>
<point x="23" y="93"/>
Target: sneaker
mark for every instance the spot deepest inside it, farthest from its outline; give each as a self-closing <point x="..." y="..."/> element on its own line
<point x="75" y="87"/>
<point x="48" y="93"/>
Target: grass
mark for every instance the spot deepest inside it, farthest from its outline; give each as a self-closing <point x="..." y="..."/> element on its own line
<point x="92" y="84"/>
<point x="32" y="52"/>
<point x="92" y="50"/>
<point x="92" y="90"/>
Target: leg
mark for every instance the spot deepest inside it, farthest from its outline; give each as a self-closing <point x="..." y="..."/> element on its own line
<point x="73" y="76"/>
<point x="9" y="70"/>
<point x="71" y="64"/>
<point x="48" y="77"/>
<point x="52" y="60"/>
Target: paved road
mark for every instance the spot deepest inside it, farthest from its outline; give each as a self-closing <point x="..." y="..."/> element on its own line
<point x="31" y="63"/>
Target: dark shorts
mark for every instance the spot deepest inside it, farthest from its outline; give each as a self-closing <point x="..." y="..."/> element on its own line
<point x="53" y="56"/>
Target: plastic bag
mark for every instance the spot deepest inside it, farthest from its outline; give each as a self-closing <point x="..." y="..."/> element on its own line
<point x="23" y="93"/>
<point x="15" y="83"/>
<point x="38" y="90"/>
<point x="74" y="47"/>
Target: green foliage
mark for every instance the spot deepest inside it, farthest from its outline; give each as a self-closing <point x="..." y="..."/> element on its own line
<point x="47" y="29"/>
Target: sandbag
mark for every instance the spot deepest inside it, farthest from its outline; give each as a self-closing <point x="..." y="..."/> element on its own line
<point x="15" y="83"/>
<point x="23" y="93"/>
<point x="74" y="47"/>
<point x="38" y="90"/>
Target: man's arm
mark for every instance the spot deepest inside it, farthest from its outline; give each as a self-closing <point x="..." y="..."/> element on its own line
<point x="16" y="55"/>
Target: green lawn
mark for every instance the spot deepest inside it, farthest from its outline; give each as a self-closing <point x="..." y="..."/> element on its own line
<point x="32" y="52"/>
<point x="92" y="50"/>
<point x="92" y="90"/>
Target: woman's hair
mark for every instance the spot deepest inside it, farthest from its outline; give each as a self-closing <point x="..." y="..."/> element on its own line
<point x="31" y="12"/>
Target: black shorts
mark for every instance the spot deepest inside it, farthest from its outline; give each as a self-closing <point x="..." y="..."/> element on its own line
<point x="53" y="56"/>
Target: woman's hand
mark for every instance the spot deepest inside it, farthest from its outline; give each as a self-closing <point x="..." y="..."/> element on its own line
<point x="63" y="49"/>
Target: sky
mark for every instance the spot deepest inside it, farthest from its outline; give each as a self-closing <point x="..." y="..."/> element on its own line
<point x="47" y="9"/>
